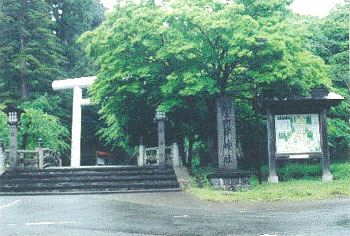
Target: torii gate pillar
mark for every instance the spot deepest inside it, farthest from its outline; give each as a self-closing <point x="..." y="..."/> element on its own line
<point x="77" y="85"/>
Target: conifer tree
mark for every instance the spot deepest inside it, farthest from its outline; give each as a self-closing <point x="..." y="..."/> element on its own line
<point x="31" y="56"/>
<point x="330" y="40"/>
<point x="71" y="19"/>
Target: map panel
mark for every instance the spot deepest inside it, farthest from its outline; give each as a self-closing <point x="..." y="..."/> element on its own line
<point x="297" y="133"/>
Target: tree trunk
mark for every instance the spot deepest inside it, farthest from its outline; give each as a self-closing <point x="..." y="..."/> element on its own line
<point x="190" y="152"/>
<point x="24" y="91"/>
<point x="212" y="132"/>
<point x="257" y="153"/>
<point x="212" y="150"/>
<point x="24" y="142"/>
<point x="180" y="142"/>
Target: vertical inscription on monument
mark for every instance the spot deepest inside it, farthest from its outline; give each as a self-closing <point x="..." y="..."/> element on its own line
<point x="226" y="134"/>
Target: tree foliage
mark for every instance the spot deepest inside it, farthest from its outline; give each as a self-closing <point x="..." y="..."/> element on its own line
<point x="336" y="29"/>
<point x="72" y="18"/>
<point x="181" y="55"/>
<point x="35" y="124"/>
<point x="38" y="45"/>
<point x="31" y="56"/>
<point x="330" y="40"/>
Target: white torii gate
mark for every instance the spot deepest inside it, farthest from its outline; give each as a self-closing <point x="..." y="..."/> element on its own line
<point x="77" y="84"/>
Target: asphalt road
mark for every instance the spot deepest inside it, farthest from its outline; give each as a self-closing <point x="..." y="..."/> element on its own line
<point x="168" y="214"/>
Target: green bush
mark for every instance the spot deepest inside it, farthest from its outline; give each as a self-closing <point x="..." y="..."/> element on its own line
<point x="200" y="175"/>
<point x="4" y="129"/>
<point x="37" y="123"/>
<point x="340" y="170"/>
<point x="289" y="172"/>
<point x="301" y="181"/>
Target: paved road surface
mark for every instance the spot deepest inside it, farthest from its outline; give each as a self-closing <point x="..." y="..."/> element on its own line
<point x="167" y="214"/>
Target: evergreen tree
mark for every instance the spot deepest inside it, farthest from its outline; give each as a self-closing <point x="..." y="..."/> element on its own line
<point x="37" y="39"/>
<point x="31" y="56"/>
<point x="71" y="19"/>
<point x="335" y="28"/>
<point x="330" y="40"/>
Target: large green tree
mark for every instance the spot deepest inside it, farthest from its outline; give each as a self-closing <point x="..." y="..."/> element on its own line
<point x="179" y="56"/>
<point x="38" y="45"/>
<point x="31" y="56"/>
<point x="35" y="124"/>
<point x="330" y="40"/>
<point x="71" y="19"/>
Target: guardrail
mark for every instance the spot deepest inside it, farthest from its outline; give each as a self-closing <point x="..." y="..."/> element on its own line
<point x="31" y="159"/>
<point x="149" y="156"/>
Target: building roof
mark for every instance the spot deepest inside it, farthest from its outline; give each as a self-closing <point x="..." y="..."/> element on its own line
<point x="319" y="98"/>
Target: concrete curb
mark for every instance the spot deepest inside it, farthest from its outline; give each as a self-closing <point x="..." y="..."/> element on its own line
<point x="183" y="177"/>
<point x="89" y="192"/>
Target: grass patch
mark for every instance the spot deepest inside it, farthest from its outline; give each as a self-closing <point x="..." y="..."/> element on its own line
<point x="341" y="171"/>
<point x="291" y="189"/>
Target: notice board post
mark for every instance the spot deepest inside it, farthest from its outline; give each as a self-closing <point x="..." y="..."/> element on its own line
<point x="297" y="129"/>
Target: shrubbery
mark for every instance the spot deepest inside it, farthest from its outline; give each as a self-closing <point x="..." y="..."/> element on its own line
<point x="290" y="171"/>
<point x="340" y="170"/>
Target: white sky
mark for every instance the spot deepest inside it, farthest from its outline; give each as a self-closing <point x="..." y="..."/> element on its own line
<point x="307" y="7"/>
<point x="314" y="7"/>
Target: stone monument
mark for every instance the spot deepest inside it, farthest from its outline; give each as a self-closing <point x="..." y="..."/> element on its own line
<point x="228" y="176"/>
<point x="159" y="118"/>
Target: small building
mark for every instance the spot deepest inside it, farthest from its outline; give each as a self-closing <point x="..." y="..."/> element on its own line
<point x="104" y="158"/>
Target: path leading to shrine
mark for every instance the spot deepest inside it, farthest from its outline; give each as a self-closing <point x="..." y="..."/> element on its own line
<point x="168" y="214"/>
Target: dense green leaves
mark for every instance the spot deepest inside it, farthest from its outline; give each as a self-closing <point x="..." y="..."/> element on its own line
<point x="177" y="56"/>
<point x="336" y="30"/>
<point x="330" y="40"/>
<point x="72" y="18"/>
<point x="35" y="124"/>
<point x="38" y="45"/>
<point x="29" y="50"/>
<point x="180" y="56"/>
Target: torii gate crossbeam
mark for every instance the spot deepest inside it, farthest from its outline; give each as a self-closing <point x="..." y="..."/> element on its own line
<point x="77" y="84"/>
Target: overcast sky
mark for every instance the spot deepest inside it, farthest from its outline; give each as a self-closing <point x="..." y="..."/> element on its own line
<point x="307" y="7"/>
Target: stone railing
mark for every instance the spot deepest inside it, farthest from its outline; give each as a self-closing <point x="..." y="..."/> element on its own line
<point x="35" y="159"/>
<point x="149" y="156"/>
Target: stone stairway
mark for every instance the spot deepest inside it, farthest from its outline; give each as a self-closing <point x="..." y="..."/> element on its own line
<point x="88" y="180"/>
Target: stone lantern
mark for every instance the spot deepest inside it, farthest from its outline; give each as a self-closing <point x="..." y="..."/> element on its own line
<point x="160" y="117"/>
<point x="13" y="120"/>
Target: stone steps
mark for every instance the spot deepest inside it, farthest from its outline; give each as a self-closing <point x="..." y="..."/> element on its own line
<point x="70" y="180"/>
<point x="56" y="174"/>
<point x="67" y="186"/>
<point x="97" y="178"/>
